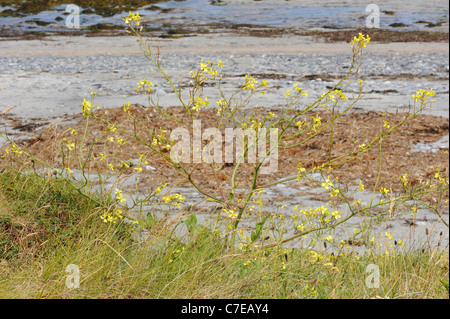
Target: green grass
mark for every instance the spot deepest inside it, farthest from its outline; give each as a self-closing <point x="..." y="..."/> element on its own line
<point x="46" y="226"/>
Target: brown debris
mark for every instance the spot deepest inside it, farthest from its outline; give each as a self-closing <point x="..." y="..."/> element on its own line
<point x="397" y="155"/>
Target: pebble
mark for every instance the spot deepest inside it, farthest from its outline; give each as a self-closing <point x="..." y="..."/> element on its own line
<point x="113" y="76"/>
<point x="417" y="65"/>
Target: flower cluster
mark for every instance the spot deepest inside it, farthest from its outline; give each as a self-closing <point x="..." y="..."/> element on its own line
<point x="255" y="122"/>
<point x="144" y="86"/>
<point x="199" y="103"/>
<point x="70" y="145"/>
<point x="316" y="122"/>
<point x="209" y="67"/>
<point x="112" y="216"/>
<point x="422" y="95"/>
<point x="133" y="17"/>
<point x="307" y="217"/>
<point x="119" y="196"/>
<point x="161" y="141"/>
<point x="160" y="188"/>
<point x="86" y="108"/>
<point x="361" y="40"/>
<point x="206" y="70"/>
<point x="300" y="90"/>
<point x="16" y="149"/>
<point x="6" y="153"/>
<point x="250" y="84"/>
<point x="173" y="199"/>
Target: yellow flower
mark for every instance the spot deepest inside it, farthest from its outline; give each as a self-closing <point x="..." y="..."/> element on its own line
<point x="86" y="107"/>
<point x="72" y="131"/>
<point x="423" y="94"/>
<point x="161" y="187"/>
<point x="340" y="94"/>
<point x="17" y="150"/>
<point x="142" y="84"/>
<point x="317" y="121"/>
<point x="360" y="187"/>
<point x="300" y="90"/>
<point x="249" y="83"/>
<point x="6" y="152"/>
<point x="119" y="196"/>
<point x="199" y="103"/>
<point x="121" y="141"/>
<point x="327" y="184"/>
<point x="70" y="145"/>
<point x="314" y="257"/>
<point x="311" y="291"/>
<point x="173" y="198"/>
<point x="384" y="190"/>
<point x="335" y="192"/>
<point x="336" y="214"/>
<point x="132" y="17"/>
<point x="69" y="171"/>
<point x="404" y="179"/>
<point x="361" y="40"/>
<point x="112" y="217"/>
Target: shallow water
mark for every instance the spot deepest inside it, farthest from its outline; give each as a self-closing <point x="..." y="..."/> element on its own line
<point x="35" y="16"/>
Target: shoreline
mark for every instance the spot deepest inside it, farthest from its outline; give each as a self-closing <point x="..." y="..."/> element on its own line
<point x="82" y="45"/>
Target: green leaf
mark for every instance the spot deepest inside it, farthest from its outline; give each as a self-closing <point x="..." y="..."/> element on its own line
<point x="445" y="284"/>
<point x="253" y="237"/>
<point x="258" y="229"/>
<point x="149" y="220"/>
<point x="191" y="222"/>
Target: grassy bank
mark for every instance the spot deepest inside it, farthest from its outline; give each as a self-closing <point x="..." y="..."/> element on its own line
<point x="45" y="226"/>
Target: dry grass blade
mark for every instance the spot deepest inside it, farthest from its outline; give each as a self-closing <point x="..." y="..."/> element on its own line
<point x="8" y="109"/>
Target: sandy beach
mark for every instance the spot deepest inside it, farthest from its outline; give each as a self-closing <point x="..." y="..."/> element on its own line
<point x="70" y="66"/>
